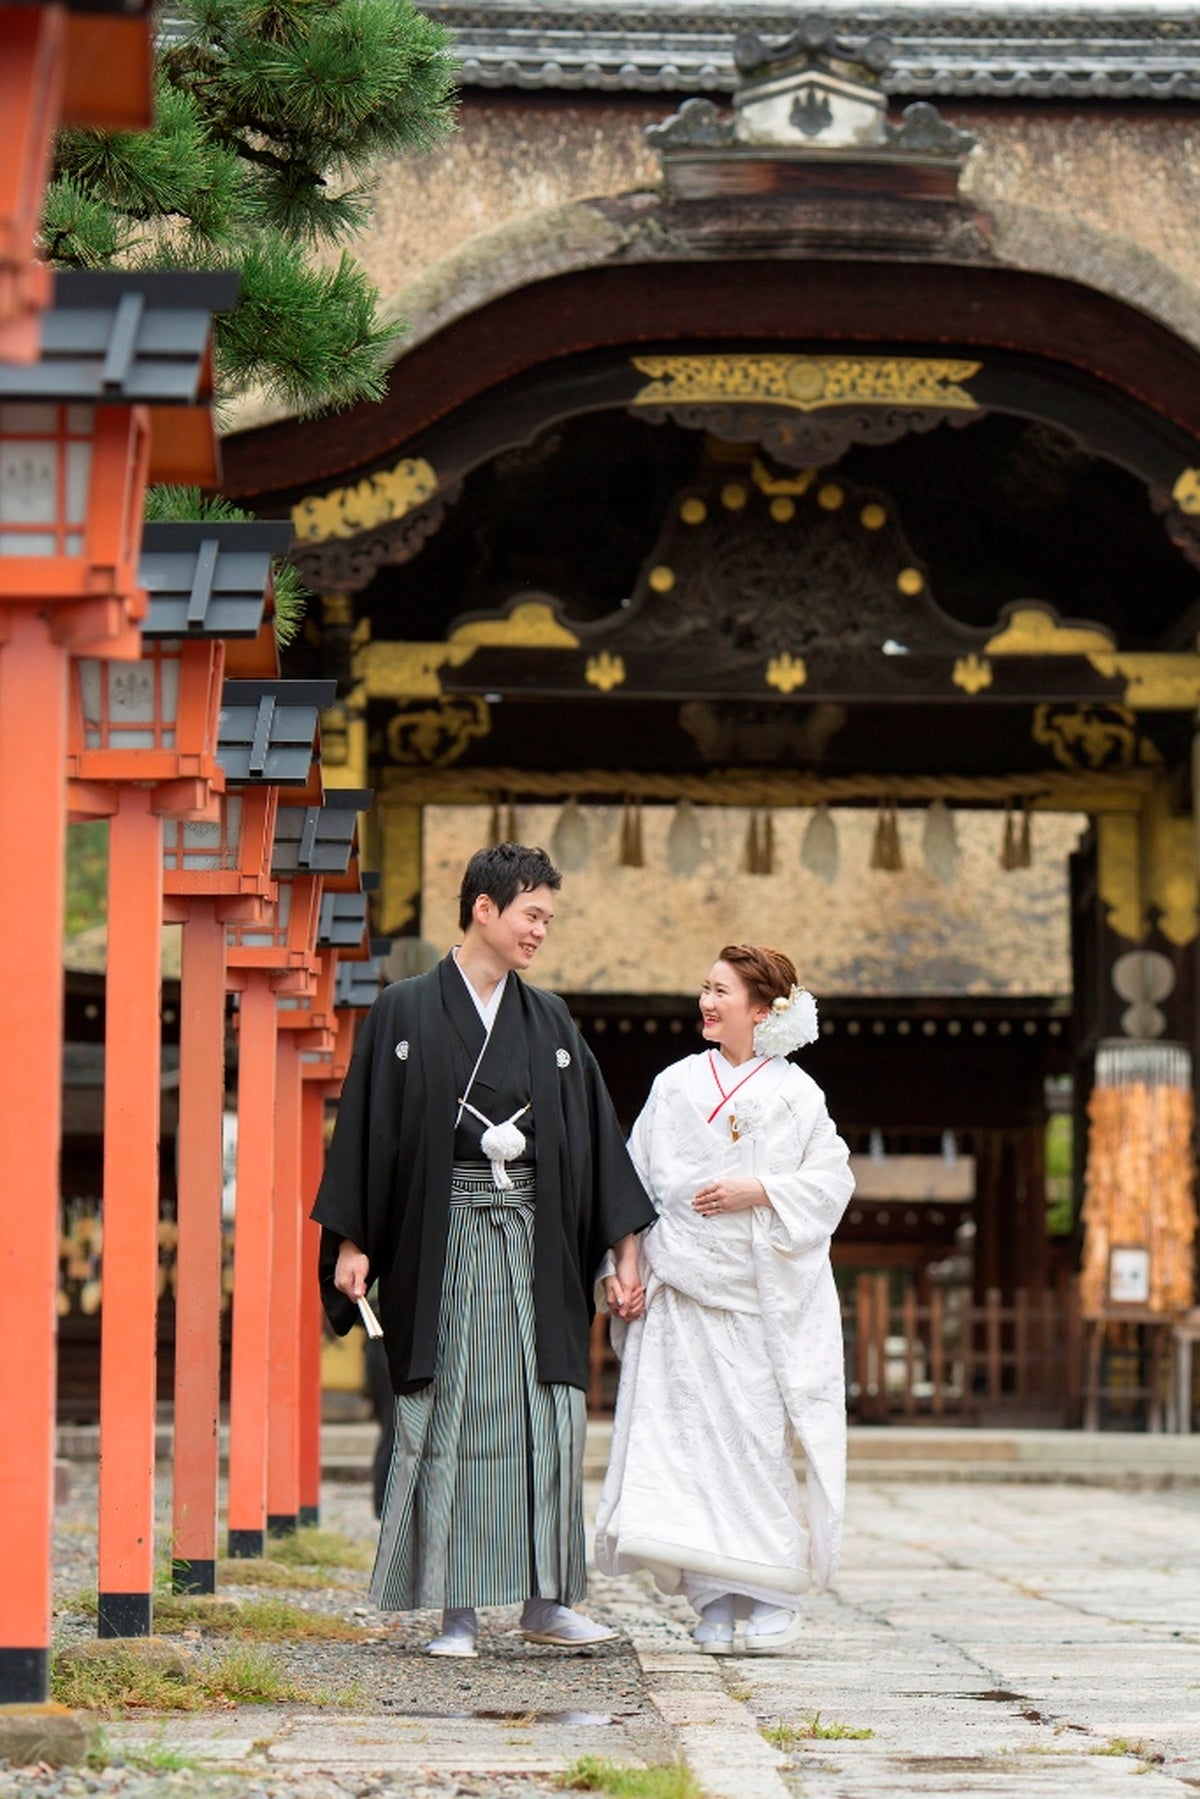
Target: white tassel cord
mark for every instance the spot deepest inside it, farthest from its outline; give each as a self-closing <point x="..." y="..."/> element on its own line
<point x="500" y="1143"/>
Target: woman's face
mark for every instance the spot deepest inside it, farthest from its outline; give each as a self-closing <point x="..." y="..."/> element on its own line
<point x="727" y="1013"/>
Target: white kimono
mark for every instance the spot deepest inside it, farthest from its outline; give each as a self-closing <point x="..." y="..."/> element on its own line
<point x="739" y="1353"/>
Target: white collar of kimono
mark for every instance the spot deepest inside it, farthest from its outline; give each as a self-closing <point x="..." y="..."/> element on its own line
<point x="487" y="1009"/>
<point x="736" y="1070"/>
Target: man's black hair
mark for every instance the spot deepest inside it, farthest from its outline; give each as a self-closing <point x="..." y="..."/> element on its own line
<point x="502" y="873"/>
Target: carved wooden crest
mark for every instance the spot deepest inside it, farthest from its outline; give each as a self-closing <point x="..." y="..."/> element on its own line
<point x="748" y="567"/>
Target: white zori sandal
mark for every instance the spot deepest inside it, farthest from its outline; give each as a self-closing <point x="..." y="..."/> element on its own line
<point x="714" y="1633"/>
<point x="460" y="1628"/>
<point x="771" y="1628"/>
<point x="545" y="1621"/>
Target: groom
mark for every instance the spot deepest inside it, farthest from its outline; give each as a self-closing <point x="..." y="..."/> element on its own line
<point x="477" y="1171"/>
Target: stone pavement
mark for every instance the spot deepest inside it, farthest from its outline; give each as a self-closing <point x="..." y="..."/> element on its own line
<point x="986" y="1638"/>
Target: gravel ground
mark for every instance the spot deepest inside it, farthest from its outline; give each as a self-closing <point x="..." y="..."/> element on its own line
<point x="512" y="1683"/>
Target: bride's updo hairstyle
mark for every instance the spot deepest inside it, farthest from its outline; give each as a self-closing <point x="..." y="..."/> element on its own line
<point x="767" y="974"/>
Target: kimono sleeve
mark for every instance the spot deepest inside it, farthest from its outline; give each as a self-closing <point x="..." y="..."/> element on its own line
<point x="621" y="1205"/>
<point x="341" y="1203"/>
<point x="809" y="1192"/>
<point x="641" y="1137"/>
<point x="638" y="1151"/>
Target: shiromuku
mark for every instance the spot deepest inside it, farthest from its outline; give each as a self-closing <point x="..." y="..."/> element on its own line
<point x="734" y="1351"/>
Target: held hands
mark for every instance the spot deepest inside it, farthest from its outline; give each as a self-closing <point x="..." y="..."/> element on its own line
<point x="623" y="1290"/>
<point x="738" y="1195"/>
<point x="351" y="1274"/>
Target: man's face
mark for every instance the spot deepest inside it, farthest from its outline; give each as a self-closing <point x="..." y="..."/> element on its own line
<point x="516" y="934"/>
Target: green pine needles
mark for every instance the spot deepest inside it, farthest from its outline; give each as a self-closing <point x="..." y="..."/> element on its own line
<point x="272" y="117"/>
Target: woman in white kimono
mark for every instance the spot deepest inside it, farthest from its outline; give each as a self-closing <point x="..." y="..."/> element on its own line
<point x="733" y="1351"/>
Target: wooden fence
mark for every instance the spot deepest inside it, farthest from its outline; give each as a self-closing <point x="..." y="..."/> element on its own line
<point x="954" y="1357"/>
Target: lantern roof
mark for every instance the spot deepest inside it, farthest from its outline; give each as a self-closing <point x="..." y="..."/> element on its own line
<point x="208" y="580"/>
<point x="358" y="983"/>
<point x="343" y="922"/>
<point x="319" y="839"/>
<point x="125" y="338"/>
<point x="268" y="730"/>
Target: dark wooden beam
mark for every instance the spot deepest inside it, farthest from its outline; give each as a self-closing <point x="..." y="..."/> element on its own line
<point x="802" y="304"/>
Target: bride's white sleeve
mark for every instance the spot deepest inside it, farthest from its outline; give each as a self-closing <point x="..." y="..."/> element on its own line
<point x="639" y="1154"/>
<point x="808" y="1182"/>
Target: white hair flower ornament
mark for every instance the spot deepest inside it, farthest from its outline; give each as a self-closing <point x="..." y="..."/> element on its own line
<point x="789" y="1024"/>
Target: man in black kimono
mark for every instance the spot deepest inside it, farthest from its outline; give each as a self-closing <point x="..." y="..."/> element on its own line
<point x="477" y="1171"/>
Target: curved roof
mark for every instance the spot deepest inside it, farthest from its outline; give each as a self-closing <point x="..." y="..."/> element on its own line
<point x="1052" y="50"/>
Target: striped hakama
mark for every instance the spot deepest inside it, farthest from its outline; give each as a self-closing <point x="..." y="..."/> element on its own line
<point x="484" y="1500"/>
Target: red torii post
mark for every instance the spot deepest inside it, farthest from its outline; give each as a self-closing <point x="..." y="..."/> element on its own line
<point x="75" y="456"/>
<point x="359" y="974"/>
<point x="145" y="748"/>
<point x="214" y="873"/>
<point x="326" y="841"/>
<point x="322" y="1077"/>
<point x="304" y="1029"/>
<point x="278" y="959"/>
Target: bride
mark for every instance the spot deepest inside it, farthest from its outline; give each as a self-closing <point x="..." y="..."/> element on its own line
<point x="731" y="1342"/>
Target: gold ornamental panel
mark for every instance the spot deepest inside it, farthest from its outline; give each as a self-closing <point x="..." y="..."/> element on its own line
<point x="345" y="511"/>
<point x="807" y="383"/>
<point x="402" y="671"/>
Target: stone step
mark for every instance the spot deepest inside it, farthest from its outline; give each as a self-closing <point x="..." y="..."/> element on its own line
<point x="888" y="1452"/>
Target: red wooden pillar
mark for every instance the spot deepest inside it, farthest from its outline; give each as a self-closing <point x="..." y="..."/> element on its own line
<point x="312" y="1162"/>
<point x="252" y="1265"/>
<point x="33" y="750"/>
<point x="131" y="1129"/>
<point x="198" y="1252"/>
<point x="283" y="1380"/>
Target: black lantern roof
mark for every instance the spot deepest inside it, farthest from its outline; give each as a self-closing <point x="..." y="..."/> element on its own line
<point x="268" y="729"/>
<point x="208" y="580"/>
<point x="124" y="339"/>
<point x="319" y="839"/>
<point x="357" y="984"/>
<point x="343" y="920"/>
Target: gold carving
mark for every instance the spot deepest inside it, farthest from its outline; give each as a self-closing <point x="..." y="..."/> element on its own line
<point x="1147" y="867"/>
<point x="1172" y="871"/>
<point x="402" y="671"/>
<point x="807" y="383"/>
<point x="1088" y="737"/>
<point x="1186" y="491"/>
<point x="344" y="746"/>
<point x="1119" y="869"/>
<point x="872" y="517"/>
<point x="531" y="625"/>
<point x="346" y="511"/>
<point x="783" y="510"/>
<point x="734" y="496"/>
<point x="830" y="497"/>
<point x="693" y="511"/>
<point x="910" y="581"/>
<point x="662" y="578"/>
<point x="793" y="485"/>
<point x="400" y="866"/>
<point x="1035" y="631"/>
<point x="786" y="672"/>
<point x="408" y="671"/>
<point x="436" y="735"/>
<point x="604" y="671"/>
<point x="337" y="609"/>
<point x="972" y="674"/>
<point x="1155" y="680"/>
